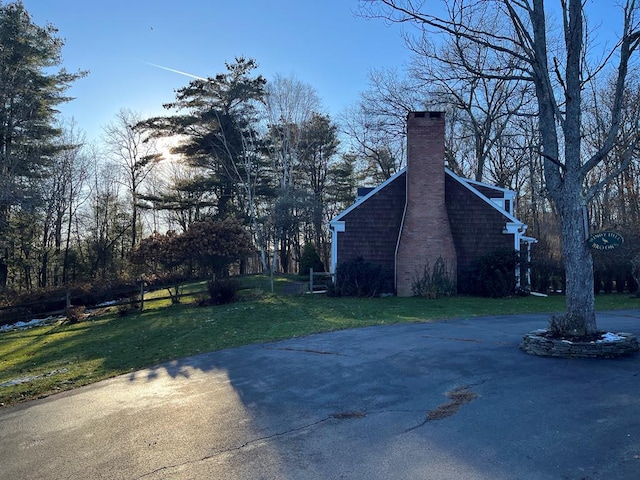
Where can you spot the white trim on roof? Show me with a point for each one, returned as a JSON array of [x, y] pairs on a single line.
[[507, 192], [515, 229], [361, 200], [466, 183], [513, 226], [463, 181]]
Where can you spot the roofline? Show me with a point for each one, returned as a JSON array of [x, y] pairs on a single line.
[[363, 199], [493, 187], [465, 182]]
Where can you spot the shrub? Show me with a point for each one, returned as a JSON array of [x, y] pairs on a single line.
[[493, 275], [359, 278], [75, 313], [310, 259], [434, 284], [53, 299], [613, 270], [175, 292], [223, 291], [202, 301]]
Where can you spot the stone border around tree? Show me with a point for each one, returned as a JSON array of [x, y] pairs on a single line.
[[615, 345]]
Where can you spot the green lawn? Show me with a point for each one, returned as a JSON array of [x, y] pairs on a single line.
[[44, 360]]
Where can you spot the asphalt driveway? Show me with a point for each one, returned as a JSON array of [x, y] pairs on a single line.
[[369, 403]]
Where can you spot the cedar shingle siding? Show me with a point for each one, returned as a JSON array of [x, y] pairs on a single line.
[[372, 227], [476, 227], [470, 216]]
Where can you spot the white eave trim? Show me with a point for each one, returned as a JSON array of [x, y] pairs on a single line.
[[515, 228], [336, 225], [507, 194], [466, 183], [363, 199]]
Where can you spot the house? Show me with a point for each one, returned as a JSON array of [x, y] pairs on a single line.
[[426, 212]]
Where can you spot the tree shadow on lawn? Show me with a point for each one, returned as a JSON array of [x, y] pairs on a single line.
[[97, 349]]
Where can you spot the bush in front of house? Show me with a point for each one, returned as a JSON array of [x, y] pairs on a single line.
[[433, 282], [359, 278], [223, 291], [493, 275]]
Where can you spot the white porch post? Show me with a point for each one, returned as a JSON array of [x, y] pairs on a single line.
[[335, 227]]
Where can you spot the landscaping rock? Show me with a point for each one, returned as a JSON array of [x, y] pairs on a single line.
[[610, 345]]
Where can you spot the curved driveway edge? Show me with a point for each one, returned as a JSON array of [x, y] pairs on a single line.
[[370, 403]]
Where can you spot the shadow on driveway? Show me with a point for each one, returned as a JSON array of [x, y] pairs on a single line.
[[355, 404]]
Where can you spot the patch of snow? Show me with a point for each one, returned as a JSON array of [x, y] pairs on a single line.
[[107, 304], [610, 337], [36, 322], [18, 381]]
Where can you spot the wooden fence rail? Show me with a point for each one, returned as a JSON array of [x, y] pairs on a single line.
[[322, 285], [22, 312]]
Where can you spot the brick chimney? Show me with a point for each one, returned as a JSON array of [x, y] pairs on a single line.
[[425, 235]]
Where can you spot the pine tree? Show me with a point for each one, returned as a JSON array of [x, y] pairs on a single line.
[[29, 95]]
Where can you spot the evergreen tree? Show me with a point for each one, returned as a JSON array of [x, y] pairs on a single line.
[[318, 148], [30, 91], [217, 122]]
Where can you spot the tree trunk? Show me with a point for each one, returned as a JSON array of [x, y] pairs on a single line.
[[44, 267], [578, 263], [4, 273], [134, 221]]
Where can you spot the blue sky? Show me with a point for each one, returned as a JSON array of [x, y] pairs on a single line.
[[321, 43]]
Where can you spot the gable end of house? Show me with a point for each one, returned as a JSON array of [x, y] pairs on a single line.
[[426, 212]]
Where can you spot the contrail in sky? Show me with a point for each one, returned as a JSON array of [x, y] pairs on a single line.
[[176, 71]]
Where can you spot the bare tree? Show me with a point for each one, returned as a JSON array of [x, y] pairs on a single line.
[[484, 106], [289, 105], [318, 151], [558, 67], [375, 126], [617, 204], [105, 222], [64, 194], [131, 149]]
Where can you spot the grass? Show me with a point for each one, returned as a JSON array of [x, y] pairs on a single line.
[[38, 362]]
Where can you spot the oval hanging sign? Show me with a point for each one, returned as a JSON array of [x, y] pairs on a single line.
[[605, 241]]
